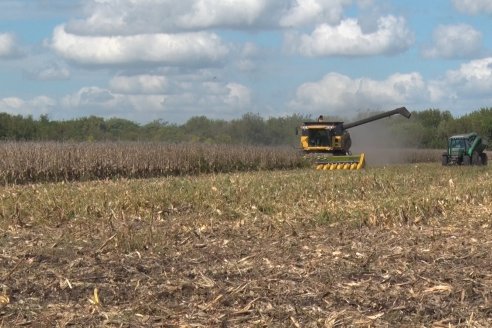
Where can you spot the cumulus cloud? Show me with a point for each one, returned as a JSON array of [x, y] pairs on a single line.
[[237, 96], [104, 102], [50, 72], [471, 79], [170, 49], [90, 96], [309, 11], [139, 84], [211, 97], [465, 88], [35, 106], [143, 97], [348, 39], [473, 7], [8, 46], [122, 17], [455, 41], [210, 13], [247, 57], [469, 86], [338, 94]]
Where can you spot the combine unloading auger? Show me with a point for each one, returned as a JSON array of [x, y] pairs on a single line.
[[328, 143]]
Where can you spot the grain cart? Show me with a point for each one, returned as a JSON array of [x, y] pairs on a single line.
[[328, 143], [465, 149]]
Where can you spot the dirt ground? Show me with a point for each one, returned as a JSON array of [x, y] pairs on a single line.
[[207, 273]]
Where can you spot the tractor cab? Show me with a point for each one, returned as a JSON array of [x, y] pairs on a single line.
[[465, 149], [458, 145]]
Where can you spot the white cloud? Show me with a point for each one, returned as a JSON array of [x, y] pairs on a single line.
[[137, 98], [471, 79], [311, 11], [249, 49], [35, 106], [338, 94], [50, 72], [170, 49], [90, 96], [8, 46], [246, 65], [11, 103], [210, 13], [473, 7], [348, 39], [468, 87], [455, 41], [212, 97], [238, 96], [127, 17], [246, 59], [105, 103], [139, 84]]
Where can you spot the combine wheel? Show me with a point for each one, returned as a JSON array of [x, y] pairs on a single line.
[[483, 157], [476, 160], [466, 160], [444, 159]]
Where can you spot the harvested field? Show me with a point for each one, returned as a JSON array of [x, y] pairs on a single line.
[[399, 246]]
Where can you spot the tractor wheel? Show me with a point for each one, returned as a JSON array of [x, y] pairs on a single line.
[[444, 159], [466, 160], [476, 159], [483, 157]]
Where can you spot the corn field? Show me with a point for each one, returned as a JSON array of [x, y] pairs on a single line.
[[33, 162], [29, 162]]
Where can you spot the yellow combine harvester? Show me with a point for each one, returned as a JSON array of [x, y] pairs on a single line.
[[328, 143]]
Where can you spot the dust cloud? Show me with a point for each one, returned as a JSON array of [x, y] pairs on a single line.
[[379, 143]]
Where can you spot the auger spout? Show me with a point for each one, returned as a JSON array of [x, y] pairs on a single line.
[[402, 111]]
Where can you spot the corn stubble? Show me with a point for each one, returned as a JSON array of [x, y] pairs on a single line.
[[403, 245]]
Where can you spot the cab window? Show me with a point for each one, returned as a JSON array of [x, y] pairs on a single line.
[[457, 143]]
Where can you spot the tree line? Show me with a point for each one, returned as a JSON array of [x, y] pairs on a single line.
[[425, 129]]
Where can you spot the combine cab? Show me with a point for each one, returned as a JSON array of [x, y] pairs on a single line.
[[328, 143]]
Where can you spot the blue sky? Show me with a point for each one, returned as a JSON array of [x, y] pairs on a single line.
[[161, 59]]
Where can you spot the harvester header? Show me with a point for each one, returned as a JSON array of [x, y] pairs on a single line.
[[329, 142]]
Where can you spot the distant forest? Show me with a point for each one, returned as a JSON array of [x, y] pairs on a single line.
[[425, 129]]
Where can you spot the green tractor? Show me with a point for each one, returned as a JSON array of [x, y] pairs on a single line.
[[465, 149]]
